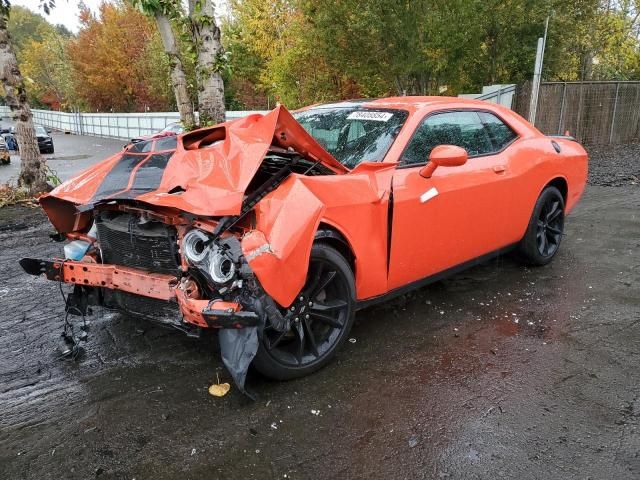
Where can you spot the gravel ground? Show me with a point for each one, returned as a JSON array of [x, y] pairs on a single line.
[[614, 165], [499, 372]]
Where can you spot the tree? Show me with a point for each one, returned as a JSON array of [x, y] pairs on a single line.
[[242, 89], [48, 72], [163, 11], [117, 61], [211, 61], [33, 167], [25, 26], [204, 45]]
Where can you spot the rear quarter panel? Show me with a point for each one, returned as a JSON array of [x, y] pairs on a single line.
[[534, 163]]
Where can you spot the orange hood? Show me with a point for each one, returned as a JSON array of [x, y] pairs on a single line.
[[205, 172]]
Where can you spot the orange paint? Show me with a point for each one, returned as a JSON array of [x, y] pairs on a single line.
[[455, 214]]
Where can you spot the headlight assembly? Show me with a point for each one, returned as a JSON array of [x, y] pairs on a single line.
[[221, 268], [194, 246], [208, 257]]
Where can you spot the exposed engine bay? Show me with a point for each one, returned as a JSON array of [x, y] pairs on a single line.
[[171, 230], [214, 285]]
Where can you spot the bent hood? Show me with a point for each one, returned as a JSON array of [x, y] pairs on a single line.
[[205, 172]]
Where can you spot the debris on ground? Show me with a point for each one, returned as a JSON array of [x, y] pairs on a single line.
[[10, 195], [219, 389]]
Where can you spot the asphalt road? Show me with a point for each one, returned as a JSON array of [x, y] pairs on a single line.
[[73, 153], [499, 372]]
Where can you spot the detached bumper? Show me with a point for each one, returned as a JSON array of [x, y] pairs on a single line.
[[202, 313]]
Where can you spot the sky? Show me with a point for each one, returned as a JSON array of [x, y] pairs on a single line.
[[66, 11]]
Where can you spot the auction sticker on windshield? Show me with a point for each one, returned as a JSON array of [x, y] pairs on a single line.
[[367, 115]]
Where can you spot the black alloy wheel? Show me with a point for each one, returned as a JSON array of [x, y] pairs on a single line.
[[549, 227], [546, 228], [320, 318]]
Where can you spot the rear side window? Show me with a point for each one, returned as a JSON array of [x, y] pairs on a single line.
[[463, 129], [500, 133]]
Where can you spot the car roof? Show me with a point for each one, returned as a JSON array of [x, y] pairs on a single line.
[[411, 103]]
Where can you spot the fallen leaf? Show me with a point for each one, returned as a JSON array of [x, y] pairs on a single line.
[[220, 389]]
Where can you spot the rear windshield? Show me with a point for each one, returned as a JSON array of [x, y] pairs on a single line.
[[353, 134]]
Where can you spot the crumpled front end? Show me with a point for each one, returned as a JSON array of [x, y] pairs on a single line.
[[212, 229], [170, 270]]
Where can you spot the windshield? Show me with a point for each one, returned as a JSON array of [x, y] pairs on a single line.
[[40, 131], [353, 135], [173, 128]]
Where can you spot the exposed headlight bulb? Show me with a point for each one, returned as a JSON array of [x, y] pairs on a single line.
[[208, 257], [194, 246], [221, 268]]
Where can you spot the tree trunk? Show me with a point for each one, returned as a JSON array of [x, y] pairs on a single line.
[[178, 78], [206, 36], [586, 67], [32, 168]]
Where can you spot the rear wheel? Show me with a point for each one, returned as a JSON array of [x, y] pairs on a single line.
[[321, 318], [545, 230]]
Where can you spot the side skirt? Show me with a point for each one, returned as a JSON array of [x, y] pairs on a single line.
[[368, 302]]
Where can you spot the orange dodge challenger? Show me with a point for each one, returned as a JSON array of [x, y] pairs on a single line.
[[276, 228]]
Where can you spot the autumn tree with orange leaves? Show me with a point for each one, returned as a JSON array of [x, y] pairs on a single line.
[[118, 61]]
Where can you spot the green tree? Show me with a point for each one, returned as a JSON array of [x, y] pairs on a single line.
[[47, 70], [25, 26]]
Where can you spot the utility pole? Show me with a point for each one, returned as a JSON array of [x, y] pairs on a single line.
[[537, 74]]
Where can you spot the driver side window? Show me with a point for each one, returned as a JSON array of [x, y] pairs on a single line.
[[463, 129]]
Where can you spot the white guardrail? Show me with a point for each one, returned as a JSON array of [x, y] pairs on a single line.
[[111, 125]]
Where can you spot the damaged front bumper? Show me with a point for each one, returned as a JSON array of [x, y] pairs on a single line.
[[196, 312]]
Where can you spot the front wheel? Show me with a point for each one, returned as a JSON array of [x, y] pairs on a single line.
[[545, 230], [321, 318]]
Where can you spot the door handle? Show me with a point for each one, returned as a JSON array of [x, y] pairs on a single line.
[[499, 168]]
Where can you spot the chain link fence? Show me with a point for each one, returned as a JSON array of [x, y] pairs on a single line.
[[594, 113]]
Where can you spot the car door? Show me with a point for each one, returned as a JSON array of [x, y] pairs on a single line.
[[458, 214]]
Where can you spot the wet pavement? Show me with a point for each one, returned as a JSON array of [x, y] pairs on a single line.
[[499, 372], [73, 153]]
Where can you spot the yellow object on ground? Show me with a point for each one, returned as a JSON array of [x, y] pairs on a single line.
[[219, 389]]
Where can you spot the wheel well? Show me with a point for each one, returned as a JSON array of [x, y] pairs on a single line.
[[561, 184], [330, 236]]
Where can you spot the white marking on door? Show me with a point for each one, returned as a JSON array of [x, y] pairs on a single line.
[[428, 195]]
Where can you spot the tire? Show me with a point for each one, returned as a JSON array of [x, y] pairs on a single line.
[[325, 314], [544, 233]]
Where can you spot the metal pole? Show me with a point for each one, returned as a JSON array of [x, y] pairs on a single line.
[[615, 108], [535, 84], [537, 74], [564, 96], [579, 119]]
